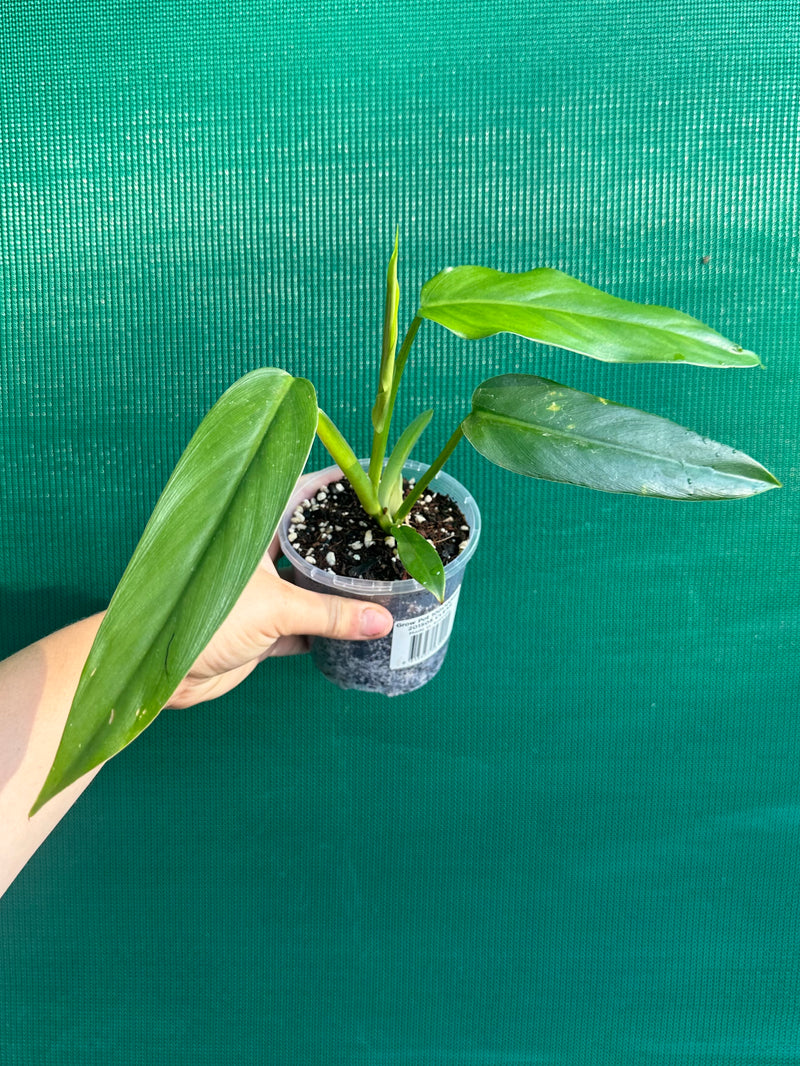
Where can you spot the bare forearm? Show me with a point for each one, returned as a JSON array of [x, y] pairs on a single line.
[[36, 690]]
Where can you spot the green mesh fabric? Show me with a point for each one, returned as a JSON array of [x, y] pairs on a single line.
[[579, 843]]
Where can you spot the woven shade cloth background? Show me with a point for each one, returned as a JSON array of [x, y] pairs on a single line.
[[579, 844]]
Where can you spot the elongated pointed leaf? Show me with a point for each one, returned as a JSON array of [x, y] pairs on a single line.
[[205, 538], [421, 559], [379, 411], [537, 427], [548, 306], [391, 487]]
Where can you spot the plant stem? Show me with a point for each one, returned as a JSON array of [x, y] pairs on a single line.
[[380, 437], [429, 475], [402, 359]]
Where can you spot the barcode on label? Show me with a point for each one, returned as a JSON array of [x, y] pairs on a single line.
[[417, 639]]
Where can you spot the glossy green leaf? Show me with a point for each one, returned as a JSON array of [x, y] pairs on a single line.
[[537, 427], [205, 538], [421, 559], [553, 308]]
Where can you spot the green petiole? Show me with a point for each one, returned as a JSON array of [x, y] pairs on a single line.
[[429, 475]]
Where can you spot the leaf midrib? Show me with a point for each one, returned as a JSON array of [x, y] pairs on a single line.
[[566, 435], [586, 317]]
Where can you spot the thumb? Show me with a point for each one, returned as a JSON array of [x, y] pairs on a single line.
[[317, 614]]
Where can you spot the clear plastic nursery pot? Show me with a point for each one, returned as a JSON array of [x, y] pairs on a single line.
[[414, 651]]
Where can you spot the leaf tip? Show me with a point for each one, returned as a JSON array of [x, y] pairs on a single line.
[[46, 793]]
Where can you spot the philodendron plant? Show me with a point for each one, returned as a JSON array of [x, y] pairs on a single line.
[[221, 506]]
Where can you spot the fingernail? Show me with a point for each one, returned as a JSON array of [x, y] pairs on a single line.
[[372, 623]]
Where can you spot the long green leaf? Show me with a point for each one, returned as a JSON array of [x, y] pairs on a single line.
[[390, 492], [553, 308], [537, 427], [206, 536]]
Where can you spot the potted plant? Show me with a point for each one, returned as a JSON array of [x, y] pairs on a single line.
[[230, 489]]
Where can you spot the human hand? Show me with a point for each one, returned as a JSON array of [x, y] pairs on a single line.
[[274, 617]]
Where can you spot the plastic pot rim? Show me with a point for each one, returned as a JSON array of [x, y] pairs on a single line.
[[358, 586]]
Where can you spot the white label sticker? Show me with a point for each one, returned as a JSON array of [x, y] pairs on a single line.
[[417, 639]]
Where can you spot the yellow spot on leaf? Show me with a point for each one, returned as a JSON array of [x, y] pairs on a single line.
[[554, 407]]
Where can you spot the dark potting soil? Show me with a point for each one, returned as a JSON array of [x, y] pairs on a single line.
[[331, 531]]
